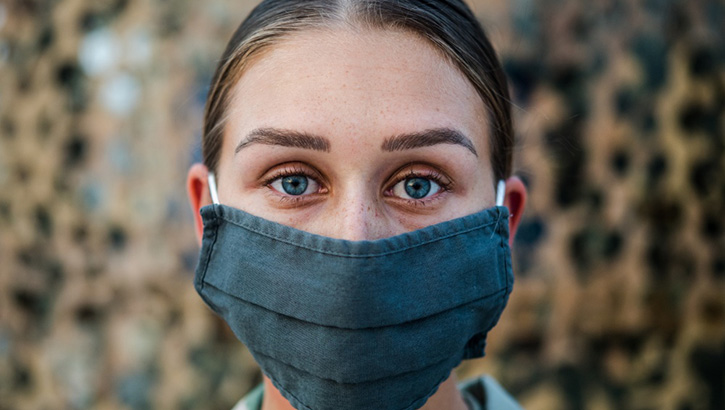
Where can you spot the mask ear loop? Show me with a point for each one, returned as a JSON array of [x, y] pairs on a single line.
[[212, 188], [500, 192]]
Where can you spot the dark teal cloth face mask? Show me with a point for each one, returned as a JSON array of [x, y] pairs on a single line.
[[353, 325]]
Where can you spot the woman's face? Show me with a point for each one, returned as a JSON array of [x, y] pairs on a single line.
[[355, 135]]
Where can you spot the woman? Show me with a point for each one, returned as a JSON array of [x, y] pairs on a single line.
[[359, 148]]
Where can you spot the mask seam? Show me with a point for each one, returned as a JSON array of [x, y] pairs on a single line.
[[366, 381], [347, 255], [488, 296], [207, 256], [508, 279]]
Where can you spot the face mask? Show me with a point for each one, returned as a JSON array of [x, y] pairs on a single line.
[[353, 325]]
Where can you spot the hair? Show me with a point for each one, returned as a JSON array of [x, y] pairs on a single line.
[[448, 24]]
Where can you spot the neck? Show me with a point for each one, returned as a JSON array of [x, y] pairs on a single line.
[[447, 397]]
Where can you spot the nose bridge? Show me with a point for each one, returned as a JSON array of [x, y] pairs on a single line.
[[357, 217]]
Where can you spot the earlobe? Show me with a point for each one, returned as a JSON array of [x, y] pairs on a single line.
[[515, 201], [197, 189]]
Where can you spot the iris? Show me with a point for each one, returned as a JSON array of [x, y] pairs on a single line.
[[417, 188], [294, 184]]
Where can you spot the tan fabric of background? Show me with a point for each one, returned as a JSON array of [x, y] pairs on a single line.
[[620, 295]]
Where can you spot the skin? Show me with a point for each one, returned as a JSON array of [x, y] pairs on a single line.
[[355, 90]]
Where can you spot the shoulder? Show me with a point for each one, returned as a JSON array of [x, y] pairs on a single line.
[[484, 393]]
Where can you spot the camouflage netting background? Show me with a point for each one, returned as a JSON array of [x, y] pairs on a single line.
[[620, 299]]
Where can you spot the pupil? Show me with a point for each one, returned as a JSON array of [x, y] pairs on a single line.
[[417, 187], [295, 184]]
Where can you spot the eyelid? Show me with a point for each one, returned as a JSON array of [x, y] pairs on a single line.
[[430, 172], [289, 169], [445, 183]]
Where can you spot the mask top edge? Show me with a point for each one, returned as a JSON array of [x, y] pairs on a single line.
[[493, 220]]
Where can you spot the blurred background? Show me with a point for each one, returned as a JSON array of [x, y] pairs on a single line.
[[620, 295]]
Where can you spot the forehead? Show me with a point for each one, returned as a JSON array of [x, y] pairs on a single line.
[[355, 85]]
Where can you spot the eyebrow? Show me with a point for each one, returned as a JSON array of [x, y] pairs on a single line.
[[428, 138], [400, 142], [285, 138]]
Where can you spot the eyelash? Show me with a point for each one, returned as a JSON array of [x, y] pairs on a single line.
[[292, 170], [288, 172], [444, 183]]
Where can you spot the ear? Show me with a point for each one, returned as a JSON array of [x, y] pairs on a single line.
[[197, 187], [515, 201]]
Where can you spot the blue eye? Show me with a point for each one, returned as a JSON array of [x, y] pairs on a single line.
[[416, 188], [295, 185]]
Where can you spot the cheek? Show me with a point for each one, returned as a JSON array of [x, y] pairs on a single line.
[[478, 191]]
